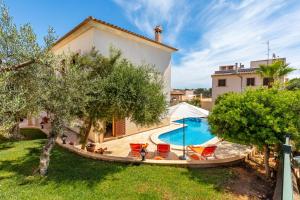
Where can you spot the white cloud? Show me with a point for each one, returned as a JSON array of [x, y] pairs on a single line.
[[224, 32], [146, 14], [238, 33]]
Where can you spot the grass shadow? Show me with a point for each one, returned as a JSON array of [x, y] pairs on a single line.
[[6, 146], [32, 133], [69, 167], [4, 140], [24, 165], [26, 134], [65, 167]]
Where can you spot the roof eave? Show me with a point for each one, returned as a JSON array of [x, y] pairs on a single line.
[[234, 73], [90, 18]]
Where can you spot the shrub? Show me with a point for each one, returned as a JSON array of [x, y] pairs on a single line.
[[261, 117]]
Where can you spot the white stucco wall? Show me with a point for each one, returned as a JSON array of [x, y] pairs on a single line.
[[132, 48], [83, 43], [132, 128]]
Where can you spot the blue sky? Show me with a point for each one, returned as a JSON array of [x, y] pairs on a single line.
[[208, 33]]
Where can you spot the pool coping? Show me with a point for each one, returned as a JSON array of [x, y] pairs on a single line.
[[155, 139]]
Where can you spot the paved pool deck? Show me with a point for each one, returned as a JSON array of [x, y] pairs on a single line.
[[121, 148], [118, 150]]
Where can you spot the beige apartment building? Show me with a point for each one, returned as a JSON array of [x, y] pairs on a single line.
[[236, 78]]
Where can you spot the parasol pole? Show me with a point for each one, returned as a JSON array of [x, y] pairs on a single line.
[[183, 157], [184, 139]]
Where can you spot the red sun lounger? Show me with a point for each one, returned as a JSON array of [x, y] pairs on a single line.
[[203, 152]]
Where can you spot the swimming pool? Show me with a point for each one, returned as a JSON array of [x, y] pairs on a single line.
[[196, 132]]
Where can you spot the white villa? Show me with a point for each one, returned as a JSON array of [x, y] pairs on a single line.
[[136, 48]]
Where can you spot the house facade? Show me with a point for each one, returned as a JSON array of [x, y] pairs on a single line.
[[136, 48], [236, 78], [177, 95], [182, 95]]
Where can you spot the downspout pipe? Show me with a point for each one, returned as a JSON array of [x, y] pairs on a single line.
[[238, 74]]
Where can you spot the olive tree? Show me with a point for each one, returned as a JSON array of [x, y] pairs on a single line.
[[94, 68], [32, 79], [61, 90], [20, 61], [261, 117], [115, 88], [135, 92]]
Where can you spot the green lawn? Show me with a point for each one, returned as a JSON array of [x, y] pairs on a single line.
[[74, 177]]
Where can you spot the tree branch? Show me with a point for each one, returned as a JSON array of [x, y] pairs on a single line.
[[16, 67]]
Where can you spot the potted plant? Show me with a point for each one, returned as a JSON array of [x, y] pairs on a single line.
[[45, 119], [90, 147]]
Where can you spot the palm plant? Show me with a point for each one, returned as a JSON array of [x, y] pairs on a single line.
[[274, 71]]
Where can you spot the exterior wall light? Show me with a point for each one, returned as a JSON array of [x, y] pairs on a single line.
[[64, 138], [143, 153]]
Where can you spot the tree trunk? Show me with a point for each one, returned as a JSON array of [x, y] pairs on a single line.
[[266, 160], [88, 125], [56, 130], [16, 67], [45, 155], [29, 119], [101, 126], [15, 131]]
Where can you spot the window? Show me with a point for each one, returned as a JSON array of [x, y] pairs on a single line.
[[250, 81], [221, 82], [266, 81]]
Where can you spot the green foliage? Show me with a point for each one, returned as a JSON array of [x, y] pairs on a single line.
[[293, 84], [195, 102], [114, 87], [134, 92], [19, 90], [206, 92], [257, 117], [223, 96], [35, 86], [94, 69], [275, 71], [16, 45], [60, 91]]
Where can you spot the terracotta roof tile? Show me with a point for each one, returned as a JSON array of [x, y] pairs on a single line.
[[112, 26], [177, 93]]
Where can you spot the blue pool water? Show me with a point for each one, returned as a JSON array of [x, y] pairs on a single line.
[[196, 132]]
